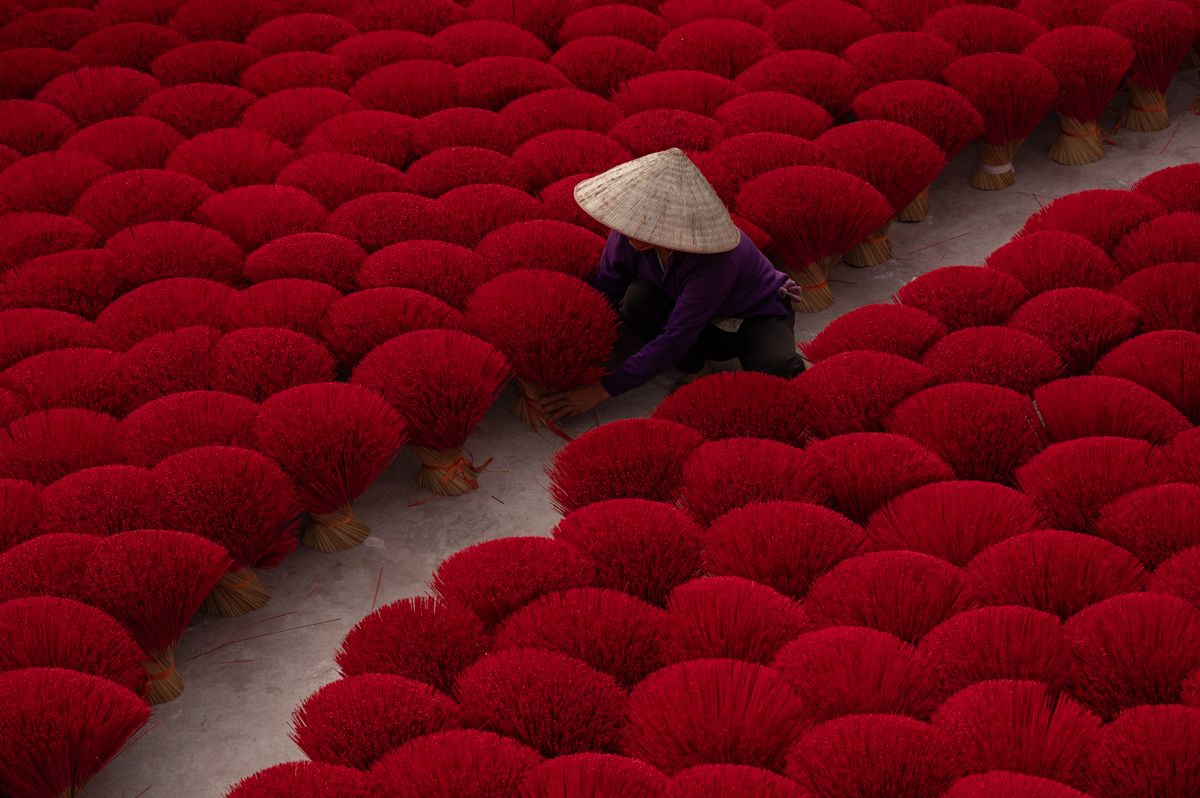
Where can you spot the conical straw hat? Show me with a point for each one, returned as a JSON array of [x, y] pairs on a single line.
[[662, 199]]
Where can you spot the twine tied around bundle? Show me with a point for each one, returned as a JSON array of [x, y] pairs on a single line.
[[460, 475]]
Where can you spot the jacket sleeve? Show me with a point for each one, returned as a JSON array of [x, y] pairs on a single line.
[[615, 272], [703, 290]]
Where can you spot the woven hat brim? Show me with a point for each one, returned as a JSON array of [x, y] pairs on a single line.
[[662, 199]]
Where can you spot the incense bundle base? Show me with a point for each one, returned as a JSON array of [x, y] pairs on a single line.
[[813, 282], [993, 164], [876, 249], [237, 593], [526, 405], [1146, 111], [337, 531], [917, 210], [448, 473], [1077, 143], [163, 682]]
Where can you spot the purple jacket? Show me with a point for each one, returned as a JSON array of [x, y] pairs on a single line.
[[729, 285]]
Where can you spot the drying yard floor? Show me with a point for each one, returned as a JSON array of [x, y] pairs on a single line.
[[244, 676]]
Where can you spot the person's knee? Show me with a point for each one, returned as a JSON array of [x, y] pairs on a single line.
[[778, 361], [640, 301]]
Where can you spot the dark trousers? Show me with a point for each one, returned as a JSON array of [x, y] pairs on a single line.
[[762, 343]]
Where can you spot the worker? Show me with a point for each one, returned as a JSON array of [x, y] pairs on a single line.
[[684, 279]]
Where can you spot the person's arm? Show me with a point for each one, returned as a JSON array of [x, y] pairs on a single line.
[[703, 290]]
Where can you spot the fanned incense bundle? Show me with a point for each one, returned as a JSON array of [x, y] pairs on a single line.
[[1088, 63], [973, 29], [465, 42], [643, 548], [953, 520], [983, 432], [496, 578], [556, 109], [725, 47], [1053, 259], [177, 422], [139, 196], [51, 632], [878, 754], [25, 332], [472, 127], [421, 638], [555, 330], [104, 501], [361, 321], [826, 25], [897, 160], [965, 296], [815, 215], [635, 458], [891, 328], [553, 703], [1161, 32], [1103, 216], [46, 446], [59, 728], [1080, 324], [825, 79], [903, 593], [325, 258], [938, 112], [601, 65], [153, 581], [853, 670], [49, 182], [128, 142], [241, 500], [713, 711], [1006, 724], [739, 404], [997, 643], [332, 439], [367, 52], [354, 721], [290, 304], [1176, 188], [1057, 572], [853, 391], [212, 62], [1072, 481], [1165, 362], [1147, 750], [730, 617], [686, 90], [308, 32], [195, 108], [773, 112], [1082, 407], [442, 382], [1012, 93], [162, 250], [593, 776], [77, 281], [382, 136], [631, 22], [890, 57]]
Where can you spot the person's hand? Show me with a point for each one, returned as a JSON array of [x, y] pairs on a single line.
[[573, 401]]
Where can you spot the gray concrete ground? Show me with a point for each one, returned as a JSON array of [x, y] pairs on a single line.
[[245, 675]]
